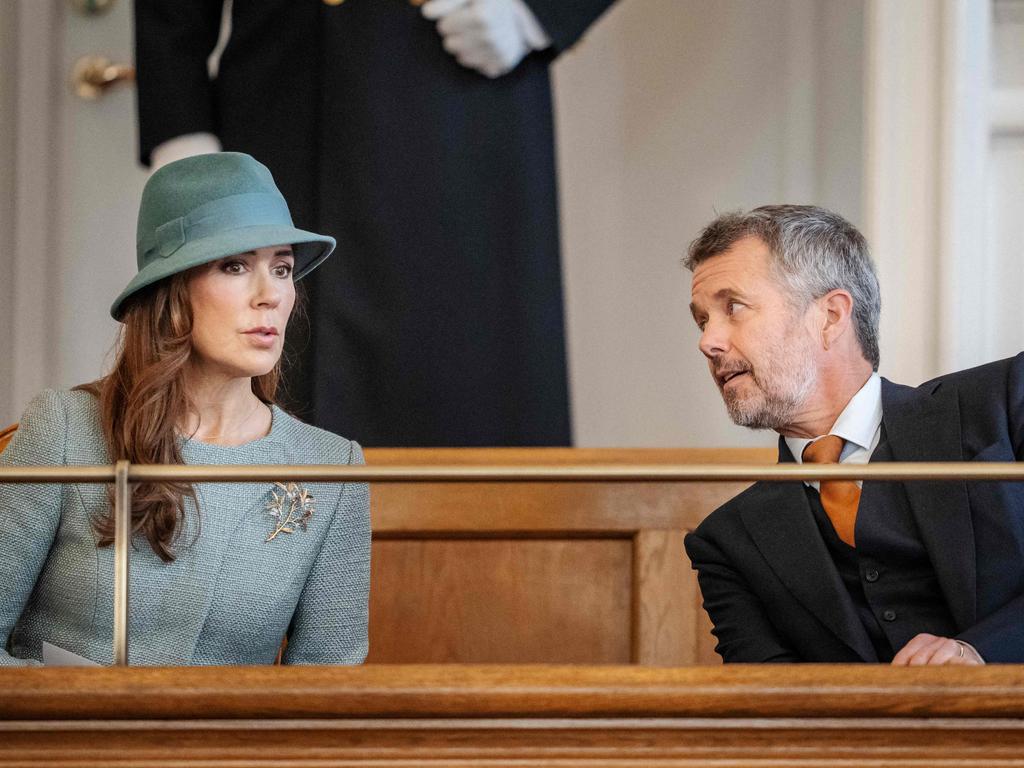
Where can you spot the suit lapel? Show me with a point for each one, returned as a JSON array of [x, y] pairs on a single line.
[[782, 526], [924, 425]]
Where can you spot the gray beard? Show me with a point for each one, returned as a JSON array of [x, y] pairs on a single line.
[[772, 412], [784, 387]]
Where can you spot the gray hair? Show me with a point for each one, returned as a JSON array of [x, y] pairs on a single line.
[[813, 250]]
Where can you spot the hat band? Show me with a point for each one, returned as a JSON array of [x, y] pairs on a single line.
[[233, 212]]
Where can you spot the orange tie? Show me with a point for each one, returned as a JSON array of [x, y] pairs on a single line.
[[839, 497]]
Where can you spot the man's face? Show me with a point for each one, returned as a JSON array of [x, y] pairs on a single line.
[[760, 349]]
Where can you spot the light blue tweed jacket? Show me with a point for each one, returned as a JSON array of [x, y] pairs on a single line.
[[229, 596]]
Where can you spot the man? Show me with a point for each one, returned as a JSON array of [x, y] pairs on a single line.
[[420, 136], [787, 302]]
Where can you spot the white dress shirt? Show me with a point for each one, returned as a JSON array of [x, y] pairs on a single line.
[[860, 425]]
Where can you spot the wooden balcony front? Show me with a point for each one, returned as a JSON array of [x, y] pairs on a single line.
[[391, 716]]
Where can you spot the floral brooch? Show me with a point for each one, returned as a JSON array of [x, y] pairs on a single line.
[[291, 508]]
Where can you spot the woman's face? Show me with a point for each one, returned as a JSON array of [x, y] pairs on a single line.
[[240, 307]]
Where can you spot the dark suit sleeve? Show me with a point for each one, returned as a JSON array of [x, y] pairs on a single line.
[[565, 21], [1015, 405], [999, 637], [741, 624], [173, 40]]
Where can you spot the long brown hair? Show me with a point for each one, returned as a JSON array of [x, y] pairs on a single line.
[[143, 402]]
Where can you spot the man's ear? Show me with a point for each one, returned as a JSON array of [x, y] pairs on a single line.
[[837, 309]]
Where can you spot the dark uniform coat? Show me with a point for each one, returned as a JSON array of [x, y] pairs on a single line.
[[772, 590], [439, 319]]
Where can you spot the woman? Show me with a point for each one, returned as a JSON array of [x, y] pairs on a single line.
[[220, 572]]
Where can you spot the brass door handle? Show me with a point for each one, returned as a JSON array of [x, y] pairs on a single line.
[[92, 75]]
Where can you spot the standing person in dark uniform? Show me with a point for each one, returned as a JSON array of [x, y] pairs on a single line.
[[427, 150]]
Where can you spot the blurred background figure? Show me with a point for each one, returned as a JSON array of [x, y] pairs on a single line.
[[420, 135]]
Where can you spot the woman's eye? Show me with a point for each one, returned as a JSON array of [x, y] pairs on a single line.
[[233, 267], [283, 270]]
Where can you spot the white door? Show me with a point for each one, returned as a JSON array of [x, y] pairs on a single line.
[[77, 188]]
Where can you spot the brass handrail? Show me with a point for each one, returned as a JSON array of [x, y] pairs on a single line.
[[123, 474], [522, 473], [122, 545]]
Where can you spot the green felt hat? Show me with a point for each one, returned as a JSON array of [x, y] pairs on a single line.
[[206, 207]]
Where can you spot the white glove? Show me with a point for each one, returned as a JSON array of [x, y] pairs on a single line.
[[183, 146], [490, 36]]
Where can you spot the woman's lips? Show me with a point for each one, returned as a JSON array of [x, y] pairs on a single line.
[[264, 337]]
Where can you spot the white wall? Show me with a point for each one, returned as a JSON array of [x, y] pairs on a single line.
[[75, 189], [944, 197], [8, 89], [668, 112], [100, 183], [39, 85], [1005, 188]]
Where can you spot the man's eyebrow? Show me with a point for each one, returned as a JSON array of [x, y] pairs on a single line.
[[728, 293], [720, 295]]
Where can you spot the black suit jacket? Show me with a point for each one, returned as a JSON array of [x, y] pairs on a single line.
[[771, 588]]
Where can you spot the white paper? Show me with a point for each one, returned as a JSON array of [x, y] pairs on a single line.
[[55, 656]]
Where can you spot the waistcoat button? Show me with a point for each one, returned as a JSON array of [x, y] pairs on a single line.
[[871, 575], [889, 614]]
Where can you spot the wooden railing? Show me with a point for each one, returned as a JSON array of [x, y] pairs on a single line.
[[536, 555], [637, 601], [393, 715]]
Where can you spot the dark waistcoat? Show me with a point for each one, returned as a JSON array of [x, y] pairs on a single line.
[[889, 575]]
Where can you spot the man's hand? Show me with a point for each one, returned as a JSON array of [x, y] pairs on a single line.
[[490, 36], [929, 649]]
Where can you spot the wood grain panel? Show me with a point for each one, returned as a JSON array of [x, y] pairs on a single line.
[[478, 608], [729, 692], [480, 507], [514, 743], [583, 507], [663, 620], [508, 601], [563, 456], [773, 715], [705, 640]]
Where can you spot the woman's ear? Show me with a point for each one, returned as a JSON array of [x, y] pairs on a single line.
[[838, 310]]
